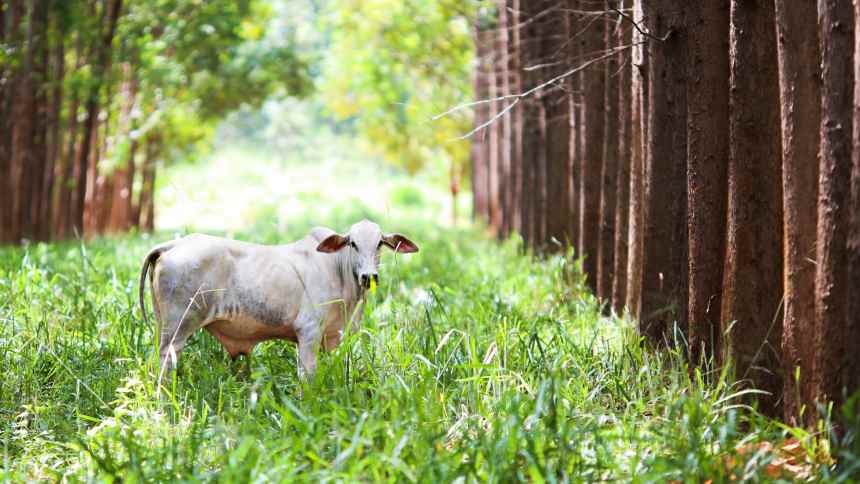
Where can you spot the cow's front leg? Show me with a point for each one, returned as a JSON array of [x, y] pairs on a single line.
[[309, 343]]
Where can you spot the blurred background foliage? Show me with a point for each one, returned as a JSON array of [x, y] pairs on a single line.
[[113, 91]]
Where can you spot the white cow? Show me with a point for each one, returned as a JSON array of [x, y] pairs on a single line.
[[245, 293]]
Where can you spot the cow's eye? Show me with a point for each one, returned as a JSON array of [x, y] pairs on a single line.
[[352, 244], [379, 245]]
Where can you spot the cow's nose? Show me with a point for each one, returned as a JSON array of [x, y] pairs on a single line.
[[365, 279]]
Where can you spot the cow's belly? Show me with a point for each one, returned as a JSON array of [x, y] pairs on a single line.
[[239, 335]]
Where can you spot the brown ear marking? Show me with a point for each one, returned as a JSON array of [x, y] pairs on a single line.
[[399, 243], [332, 243]]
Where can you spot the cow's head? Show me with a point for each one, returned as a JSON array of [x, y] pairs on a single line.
[[363, 241]]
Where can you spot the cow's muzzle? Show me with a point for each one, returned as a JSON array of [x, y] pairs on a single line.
[[364, 279]]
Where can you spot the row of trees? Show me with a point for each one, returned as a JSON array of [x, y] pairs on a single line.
[[703, 157], [93, 93]]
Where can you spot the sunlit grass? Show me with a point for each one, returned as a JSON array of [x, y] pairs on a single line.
[[475, 362]]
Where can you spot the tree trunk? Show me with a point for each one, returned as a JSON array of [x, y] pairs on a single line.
[[556, 102], [836, 356], [41, 117], [10, 19], [506, 123], [622, 194], [664, 256], [609, 168], [854, 221], [147, 193], [707, 164], [493, 132], [102, 60], [479, 140], [574, 102], [589, 192], [516, 114], [800, 104], [48, 227], [4, 146], [752, 282], [531, 137], [639, 124], [123, 188], [23, 114]]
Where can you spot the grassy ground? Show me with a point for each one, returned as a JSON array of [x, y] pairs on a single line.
[[474, 362]]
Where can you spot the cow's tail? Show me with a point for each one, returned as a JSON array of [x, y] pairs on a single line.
[[148, 262]]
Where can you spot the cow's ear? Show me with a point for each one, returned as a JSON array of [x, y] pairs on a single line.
[[332, 243], [399, 243]]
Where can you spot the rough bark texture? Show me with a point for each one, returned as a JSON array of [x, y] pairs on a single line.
[[664, 256], [37, 162], [23, 129], [835, 354], [5, 90], [479, 141], [622, 194], [707, 163], [800, 106], [493, 133], [639, 124], [589, 190], [515, 70], [572, 25], [854, 218], [752, 286], [534, 152], [556, 102], [506, 155], [609, 168]]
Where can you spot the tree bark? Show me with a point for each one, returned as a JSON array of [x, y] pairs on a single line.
[[4, 129], [836, 357], [574, 85], [854, 221], [707, 164], [639, 124], [493, 132], [533, 148], [123, 188], [622, 194], [147, 193], [506, 128], [41, 116], [66, 196], [516, 114], [48, 227], [23, 130], [102, 59], [664, 256], [589, 192], [479, 140], [556, 102], [11, 20], [800, 106], [752, 282], [609, 168]]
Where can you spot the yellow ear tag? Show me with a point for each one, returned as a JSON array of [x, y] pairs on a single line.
[[373, 286]]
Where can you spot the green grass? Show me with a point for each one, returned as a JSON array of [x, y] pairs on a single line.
[[475, 362]]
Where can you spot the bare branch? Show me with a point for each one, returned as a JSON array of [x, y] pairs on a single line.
[[517, 97]]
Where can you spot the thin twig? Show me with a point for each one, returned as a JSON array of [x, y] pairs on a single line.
[[636, 26], [517, 97]]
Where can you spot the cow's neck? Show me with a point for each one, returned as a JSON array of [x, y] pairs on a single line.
[[352, 291]]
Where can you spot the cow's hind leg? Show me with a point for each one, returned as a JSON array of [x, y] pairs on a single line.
[[179, 323]]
